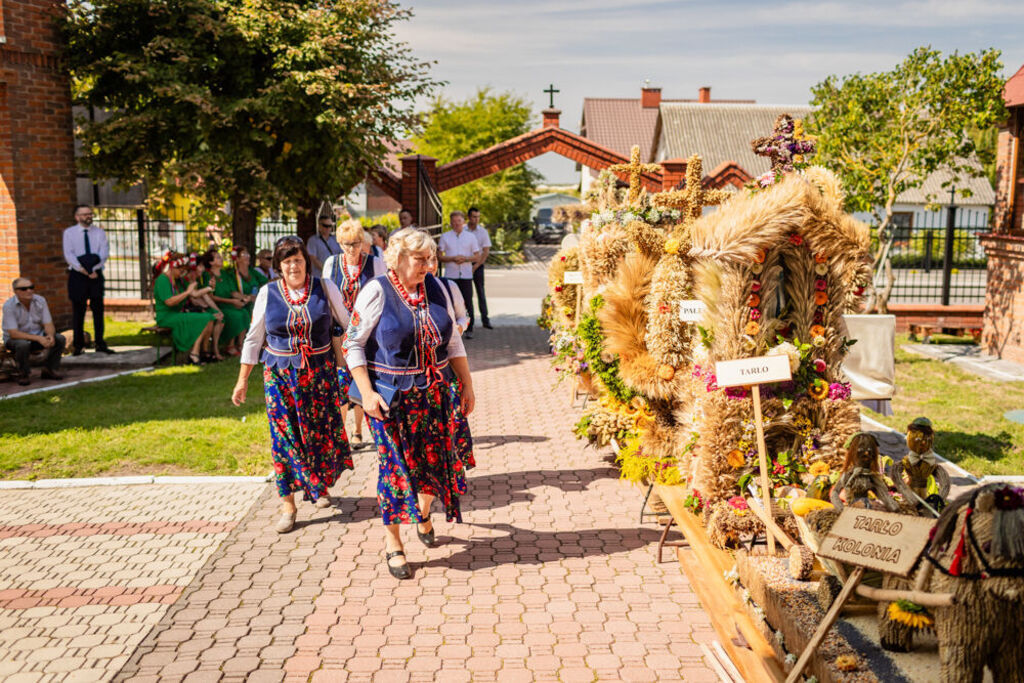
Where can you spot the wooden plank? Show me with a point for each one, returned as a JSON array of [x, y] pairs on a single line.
[[770, 526], [825, 625], [705, 566], [762, 460]]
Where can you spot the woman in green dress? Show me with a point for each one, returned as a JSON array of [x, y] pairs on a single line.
[[236, 318], [189, 331], [237, 290]]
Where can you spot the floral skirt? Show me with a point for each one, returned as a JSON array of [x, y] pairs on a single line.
[[424, 446], [344, 381], [309, 444]]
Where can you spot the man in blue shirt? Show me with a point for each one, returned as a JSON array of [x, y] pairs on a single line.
[[86, 252]]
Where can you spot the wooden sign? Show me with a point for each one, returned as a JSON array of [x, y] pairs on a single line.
[[573, 277], [692, 310], [757, 370], [877, 540]]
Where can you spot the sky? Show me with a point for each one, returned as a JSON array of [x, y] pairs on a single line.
[[772, 52]]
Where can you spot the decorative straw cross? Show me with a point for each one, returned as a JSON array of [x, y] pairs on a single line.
[[634, 169], [693, 197], [787, 144]]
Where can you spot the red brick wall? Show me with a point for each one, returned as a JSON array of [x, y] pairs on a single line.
[[1009, 178], [37, 165], [1003, 332]]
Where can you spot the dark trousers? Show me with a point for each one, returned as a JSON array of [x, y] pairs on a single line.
[[481, 298], [22, 348], [85, 291], [465, 286]]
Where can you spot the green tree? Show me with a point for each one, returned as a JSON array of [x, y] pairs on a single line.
[[261, 103], [884, 133], [453, 130]]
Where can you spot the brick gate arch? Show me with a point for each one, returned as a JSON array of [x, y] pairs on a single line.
[[550, 137]]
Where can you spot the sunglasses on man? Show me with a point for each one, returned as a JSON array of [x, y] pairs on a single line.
[[26, 288]]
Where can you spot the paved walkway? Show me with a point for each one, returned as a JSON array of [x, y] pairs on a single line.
[[549, 578]]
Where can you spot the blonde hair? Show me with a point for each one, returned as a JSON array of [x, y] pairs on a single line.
[[349, 231], [406, 240], [367, 238]]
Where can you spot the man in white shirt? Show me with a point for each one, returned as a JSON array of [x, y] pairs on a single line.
[[28, 327], [459, 251], [322, 245], [474, 228], [86, 252]]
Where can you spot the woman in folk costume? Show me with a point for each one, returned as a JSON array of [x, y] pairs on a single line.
[[293, 321], [189, 330], [350, 270], [409, 366]]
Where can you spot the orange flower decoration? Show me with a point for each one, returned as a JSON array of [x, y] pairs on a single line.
[[760, 256], [820, 258], [754, 301], [817, 331], [820, 298], [735, 459], [666, 372], [752, 328]]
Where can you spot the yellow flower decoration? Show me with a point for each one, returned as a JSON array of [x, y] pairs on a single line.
[[821, 268], [735, 459], [909, 613], [672, 246], [847, 663], [819, 390], [666, 372], [818, 469], [752, 328]]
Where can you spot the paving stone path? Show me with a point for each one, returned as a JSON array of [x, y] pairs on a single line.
[[549, 578]]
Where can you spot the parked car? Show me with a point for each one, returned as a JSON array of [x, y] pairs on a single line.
[[546, 230]]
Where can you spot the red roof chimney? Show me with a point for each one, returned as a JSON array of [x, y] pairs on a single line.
[[551, 117], [704, 94], [650, 98]]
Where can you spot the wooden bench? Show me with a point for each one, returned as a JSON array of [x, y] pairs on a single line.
[[161, 333], [924, 331]]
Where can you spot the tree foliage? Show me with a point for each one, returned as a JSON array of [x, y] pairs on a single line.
[[885, 133], [260, 102], [453, 130]]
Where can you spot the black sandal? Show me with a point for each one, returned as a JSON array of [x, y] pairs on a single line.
[[400, 572], [427, 537], [195, 359]]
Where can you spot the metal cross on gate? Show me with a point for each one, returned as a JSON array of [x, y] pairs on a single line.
[[692, 199], [634, 169], [551, 95]]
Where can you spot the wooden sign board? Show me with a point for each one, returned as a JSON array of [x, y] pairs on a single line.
[[757, 370], [692, 310], [877, 540], [573, 277]]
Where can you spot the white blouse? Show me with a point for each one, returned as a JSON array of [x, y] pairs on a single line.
[[258, 328], [368, 308], [378, 267]]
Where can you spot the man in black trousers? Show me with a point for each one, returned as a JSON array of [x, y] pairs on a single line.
[[483, 238], [86, 251]]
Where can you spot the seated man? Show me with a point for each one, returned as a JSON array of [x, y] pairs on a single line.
[[28, 327]]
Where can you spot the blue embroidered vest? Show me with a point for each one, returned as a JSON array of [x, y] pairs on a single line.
[[294, 334], [338, 276], [391, 351]]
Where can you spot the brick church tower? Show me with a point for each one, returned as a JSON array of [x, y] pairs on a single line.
[[37, 155]]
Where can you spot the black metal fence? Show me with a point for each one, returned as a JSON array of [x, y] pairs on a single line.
[[138, 238], [937, 258]]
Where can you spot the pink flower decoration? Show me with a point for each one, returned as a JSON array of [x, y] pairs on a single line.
[[755, 314], [819, 365], [755, 286], [738, 502], [820, 285]]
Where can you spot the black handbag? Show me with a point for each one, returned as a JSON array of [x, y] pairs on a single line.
[[387, 390]]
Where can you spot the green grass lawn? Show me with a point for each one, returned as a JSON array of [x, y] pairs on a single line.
[[966, 410], [119, 333], [174, 420]]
